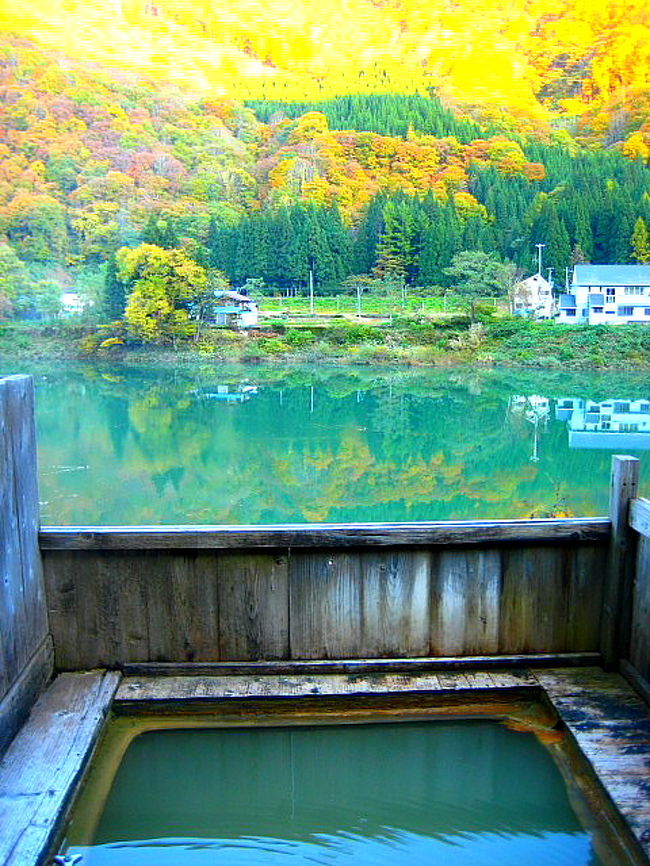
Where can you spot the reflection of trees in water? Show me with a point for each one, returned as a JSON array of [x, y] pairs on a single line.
[[365, 445]]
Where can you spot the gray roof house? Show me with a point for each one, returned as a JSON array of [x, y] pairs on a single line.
[[607, 294]]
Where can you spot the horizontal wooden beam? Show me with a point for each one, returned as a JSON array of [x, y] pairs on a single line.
[[640, 516], [361, 666], [427, 534]]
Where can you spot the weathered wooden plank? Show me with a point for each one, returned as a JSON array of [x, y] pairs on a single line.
[[11, 635], [534, 600], [427, 534], [466, 589], [20, 405], [640, 640], [200, 615], [61, 576], [152, 689], [253, 606], [23, 615], [162, 603], [586, 577], [611, 725], [45, 760], [395, 589], [639, 683], [325, 605], [640, 516], [617, 599], [18, 700], [361, 666]]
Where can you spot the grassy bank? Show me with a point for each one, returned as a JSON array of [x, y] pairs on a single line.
[[416, 340]]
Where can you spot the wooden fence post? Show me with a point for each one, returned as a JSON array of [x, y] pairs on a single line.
[[25, 644], [619, 580]]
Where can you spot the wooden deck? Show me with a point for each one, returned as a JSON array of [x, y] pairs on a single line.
[[611, 725], [39, 772]]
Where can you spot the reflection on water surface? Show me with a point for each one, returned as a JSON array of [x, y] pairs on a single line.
[[254, 444], [465, 794]]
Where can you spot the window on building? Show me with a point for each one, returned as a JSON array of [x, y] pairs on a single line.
[[625, 311], [570, 312], [646, 310], [585, 313], [620, 406], [598, 309], [610, 297], [605, 425], [629, 428], [644, 407], [633, 290]]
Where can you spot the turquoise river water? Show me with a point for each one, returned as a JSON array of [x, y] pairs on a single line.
[[458, 794], [210, 443]]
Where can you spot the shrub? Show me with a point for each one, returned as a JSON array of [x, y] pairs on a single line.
[[344, 335]]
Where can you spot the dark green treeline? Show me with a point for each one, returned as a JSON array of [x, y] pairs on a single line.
[[584, 210]]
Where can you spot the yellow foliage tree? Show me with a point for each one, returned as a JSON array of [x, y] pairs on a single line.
[[166, 286]]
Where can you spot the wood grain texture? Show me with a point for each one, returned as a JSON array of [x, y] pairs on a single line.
[[23, 613], [587, 566], [395, 601], [534, 600], [640, 640], [611, 725], [19, 699], [361, 666], [325, 605], [617, 598], [466, 589], [640, 516], [428, 534], [253, 606], [134, 690], [46, 759], [110, 608]]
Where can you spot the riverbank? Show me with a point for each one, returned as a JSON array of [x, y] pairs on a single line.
[[416, 341]]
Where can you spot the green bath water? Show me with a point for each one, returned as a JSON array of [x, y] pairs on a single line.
[[389, 794]]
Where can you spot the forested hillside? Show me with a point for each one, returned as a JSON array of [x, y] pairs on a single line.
[[390, 186], [524, 64]]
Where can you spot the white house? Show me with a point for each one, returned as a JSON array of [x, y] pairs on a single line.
[[608, 424], [607, 294], [533, 297], [232, 308]]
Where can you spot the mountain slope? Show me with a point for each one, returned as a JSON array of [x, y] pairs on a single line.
[[583, 62]]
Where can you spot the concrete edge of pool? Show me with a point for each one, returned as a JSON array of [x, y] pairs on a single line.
[[606, 721]]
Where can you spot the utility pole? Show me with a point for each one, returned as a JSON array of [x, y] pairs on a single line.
[[550, 275], [311, 289], [540, 247], [566, 278]]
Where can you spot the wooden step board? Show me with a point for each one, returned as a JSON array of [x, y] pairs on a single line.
[[185, 689], [611, 725], [39, 771]]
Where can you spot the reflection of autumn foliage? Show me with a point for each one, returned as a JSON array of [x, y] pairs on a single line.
[[160, 446]]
